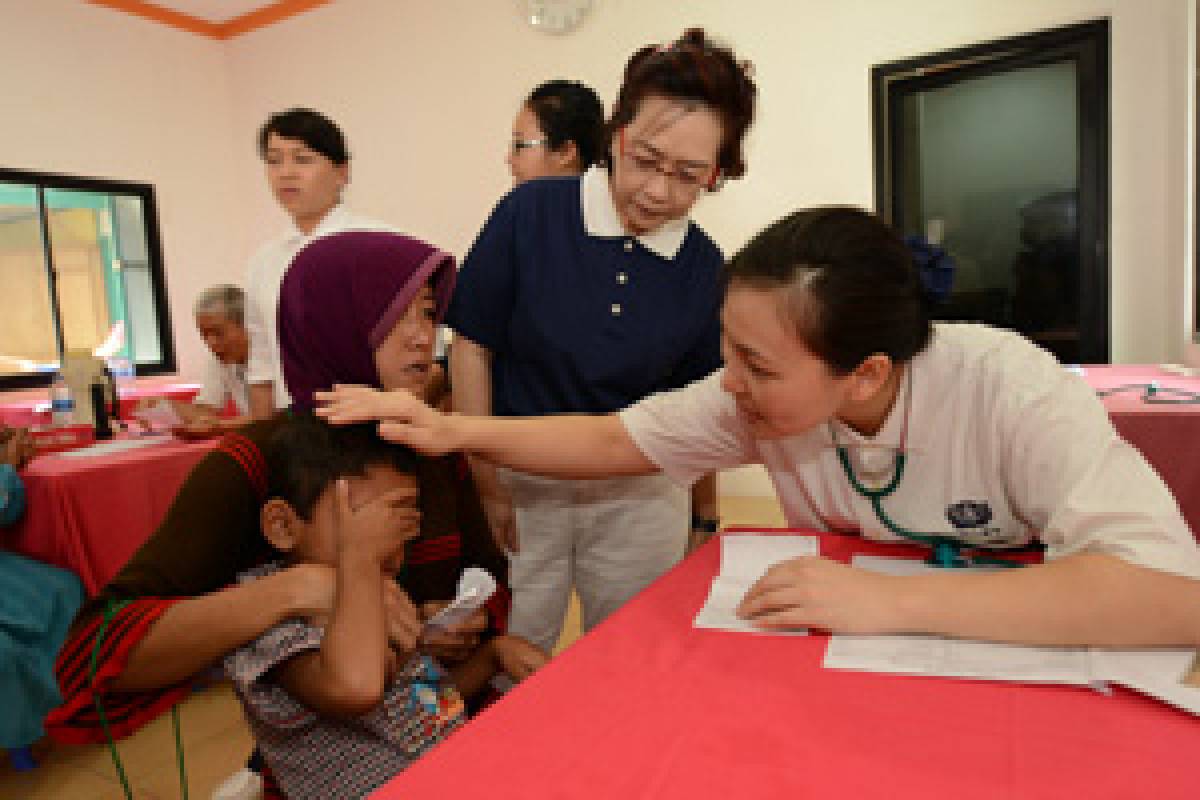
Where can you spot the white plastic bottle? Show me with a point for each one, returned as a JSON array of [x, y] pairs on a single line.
[[62, 406]]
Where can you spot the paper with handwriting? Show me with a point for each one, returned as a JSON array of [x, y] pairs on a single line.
[[744, 559]]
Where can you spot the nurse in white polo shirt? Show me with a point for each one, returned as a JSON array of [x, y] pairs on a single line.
[[969, 438], [308, 167]]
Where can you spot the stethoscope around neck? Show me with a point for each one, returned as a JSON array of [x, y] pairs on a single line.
[[948, 551]]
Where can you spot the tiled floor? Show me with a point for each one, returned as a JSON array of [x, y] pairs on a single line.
[[215, 740]]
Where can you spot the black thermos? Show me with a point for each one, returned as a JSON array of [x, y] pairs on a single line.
[[99, 395]]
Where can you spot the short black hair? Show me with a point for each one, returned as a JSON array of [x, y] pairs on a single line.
[[307, 454], [318, 132], [569, 111], [851, 286]]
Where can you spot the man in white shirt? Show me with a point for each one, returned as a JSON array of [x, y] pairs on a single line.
[[308, 167], [220, 313], [220, 318]]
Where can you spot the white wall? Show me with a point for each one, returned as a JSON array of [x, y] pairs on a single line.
[[1192, 76], [426, 89], [88, 91]]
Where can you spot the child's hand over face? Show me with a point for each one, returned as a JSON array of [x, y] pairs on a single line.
[[377, 529], [519, 657]]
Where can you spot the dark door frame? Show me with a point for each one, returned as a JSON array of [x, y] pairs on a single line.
[[1087, 44]]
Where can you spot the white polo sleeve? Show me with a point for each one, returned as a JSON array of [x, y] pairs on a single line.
[[260, 363], [1083, 487], [690, 432], [212, 389]]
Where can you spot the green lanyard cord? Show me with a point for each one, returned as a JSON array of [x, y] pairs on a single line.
[[111, 610], [947, 551]]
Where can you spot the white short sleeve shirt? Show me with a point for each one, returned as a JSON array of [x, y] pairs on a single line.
[[223, 382], [1003, 446], [263, 281]]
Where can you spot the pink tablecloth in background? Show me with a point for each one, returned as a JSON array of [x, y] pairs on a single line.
[[646, 706], [1167, 435], [23, 412], [89, 515]]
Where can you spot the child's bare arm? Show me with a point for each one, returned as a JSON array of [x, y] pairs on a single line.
[[513, 655], [347, 676], [472, 675]]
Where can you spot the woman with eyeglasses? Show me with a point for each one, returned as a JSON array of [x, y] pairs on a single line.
[[587, 294], [872, 420], [557, 132]]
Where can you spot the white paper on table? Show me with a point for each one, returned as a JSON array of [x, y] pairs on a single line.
[[1157, 672], [158, 414], [115, 446], [744, 559], [953, 658]]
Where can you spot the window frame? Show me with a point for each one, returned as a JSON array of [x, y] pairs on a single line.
[[42, 181], [1091, 39]]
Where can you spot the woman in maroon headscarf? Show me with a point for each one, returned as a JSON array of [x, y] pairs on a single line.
[[355, 308]]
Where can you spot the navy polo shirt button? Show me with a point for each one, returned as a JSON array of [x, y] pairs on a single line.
[[628, 246], [622, 277], [616, 309]]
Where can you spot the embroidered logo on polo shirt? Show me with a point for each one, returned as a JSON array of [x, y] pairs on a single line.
[[969, 514]]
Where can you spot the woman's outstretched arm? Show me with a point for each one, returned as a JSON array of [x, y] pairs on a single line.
[[561, 446]]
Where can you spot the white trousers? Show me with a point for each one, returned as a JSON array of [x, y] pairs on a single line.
[[608, 538]]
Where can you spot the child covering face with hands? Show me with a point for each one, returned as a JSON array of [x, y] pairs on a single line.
[[321, 696]]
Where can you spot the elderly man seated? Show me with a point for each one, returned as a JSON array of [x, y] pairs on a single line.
[[220, 318]]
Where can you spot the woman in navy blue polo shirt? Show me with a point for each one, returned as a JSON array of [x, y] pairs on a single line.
[[587, 294]]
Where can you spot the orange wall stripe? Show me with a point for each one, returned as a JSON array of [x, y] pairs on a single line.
[[268, 15], [176, 19]]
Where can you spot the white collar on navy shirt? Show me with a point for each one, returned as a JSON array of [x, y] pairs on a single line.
[[600, 217]]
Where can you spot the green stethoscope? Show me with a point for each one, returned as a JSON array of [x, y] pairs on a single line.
[[947, 550]]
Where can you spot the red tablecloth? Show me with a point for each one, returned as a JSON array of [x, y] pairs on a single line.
[[1168, 435], [89, 515], [646, 706], [25, 413]]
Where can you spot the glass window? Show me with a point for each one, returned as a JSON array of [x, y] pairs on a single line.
[[28, 331], [81, 267], [997, 153]]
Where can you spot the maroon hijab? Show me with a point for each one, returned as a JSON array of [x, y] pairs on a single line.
[[341, 297]]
